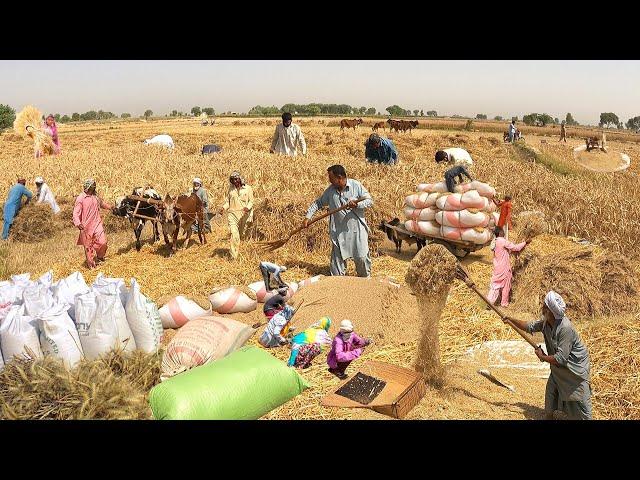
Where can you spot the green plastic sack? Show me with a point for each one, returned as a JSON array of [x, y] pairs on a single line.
[[244, 385]]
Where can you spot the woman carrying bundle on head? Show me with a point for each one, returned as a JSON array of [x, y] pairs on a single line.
[[50, 128]]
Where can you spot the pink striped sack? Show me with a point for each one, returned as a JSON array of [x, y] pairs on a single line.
[[231, 300], [421, 214], [421, 200], [180, 310], [309, 281], [462, 218], [203, 340]]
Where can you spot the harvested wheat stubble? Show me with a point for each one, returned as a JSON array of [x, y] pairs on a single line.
[[430, 276], [114, 386], [591, 280], [35, 222]]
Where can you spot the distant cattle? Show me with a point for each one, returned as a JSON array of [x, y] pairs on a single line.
[[402, 125], [398, 237], [350, 123], [211, 149], [378, 125]]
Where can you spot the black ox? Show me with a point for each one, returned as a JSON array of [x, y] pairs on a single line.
[[125, 207]]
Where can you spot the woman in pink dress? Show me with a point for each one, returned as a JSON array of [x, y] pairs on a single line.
[[50, 128], [501, 277], [87, 219]]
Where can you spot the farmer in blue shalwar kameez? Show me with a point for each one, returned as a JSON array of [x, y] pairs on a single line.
[[380, 150], [12, 204], [347, 228]]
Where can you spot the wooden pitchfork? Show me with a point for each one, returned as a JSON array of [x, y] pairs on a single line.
[[463, 275], [315, 302], [275, 244]]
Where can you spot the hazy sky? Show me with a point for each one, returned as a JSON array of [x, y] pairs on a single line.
[[506, 88]]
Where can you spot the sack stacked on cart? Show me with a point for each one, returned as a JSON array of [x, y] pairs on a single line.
[[466, 215]]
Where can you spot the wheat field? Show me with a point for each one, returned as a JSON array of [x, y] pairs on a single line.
[[601, 207]]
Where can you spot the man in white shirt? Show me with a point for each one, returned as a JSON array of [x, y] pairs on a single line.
[[288, 137], [454, 156], [44, 194]]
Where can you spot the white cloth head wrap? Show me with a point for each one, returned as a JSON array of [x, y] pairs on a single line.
[[556, 304]]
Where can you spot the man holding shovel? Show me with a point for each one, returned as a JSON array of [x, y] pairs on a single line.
[[347, 228], [568, 387]]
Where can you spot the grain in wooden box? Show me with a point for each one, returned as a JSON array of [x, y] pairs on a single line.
[[403, 390]]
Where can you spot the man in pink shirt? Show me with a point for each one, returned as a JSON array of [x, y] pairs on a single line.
[[501, 277], [86, 216]]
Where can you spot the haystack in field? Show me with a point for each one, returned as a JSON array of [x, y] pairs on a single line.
[[592, 281], [28, 125], [430, 276], [35, 222], [112, 387]]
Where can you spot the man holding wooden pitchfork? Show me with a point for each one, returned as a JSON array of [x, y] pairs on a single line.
[[347, 228], [568, 387]]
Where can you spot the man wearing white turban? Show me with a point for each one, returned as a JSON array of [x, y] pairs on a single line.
[[568, 387], [44, 194]]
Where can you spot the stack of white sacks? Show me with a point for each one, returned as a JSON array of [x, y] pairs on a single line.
[[70, 320], [467, 215]]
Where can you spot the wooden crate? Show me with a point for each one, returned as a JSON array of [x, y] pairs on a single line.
[[403, 391]]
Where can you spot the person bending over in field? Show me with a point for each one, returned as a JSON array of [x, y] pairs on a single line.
[[44, 194], [13, 203], [456, 172], [279, 316], [454, 156], [288, 137], [86, 217], [345, 348], [380, 150]]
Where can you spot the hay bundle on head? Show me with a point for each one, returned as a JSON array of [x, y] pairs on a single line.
[[112, 387], [530, 225], [430, 276], [34, 223], [28, 124]]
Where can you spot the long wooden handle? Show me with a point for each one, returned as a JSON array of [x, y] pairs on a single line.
[[524, 335], [325, 215]]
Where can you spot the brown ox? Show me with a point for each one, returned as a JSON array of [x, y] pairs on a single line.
[[378, 125], [350, 123], [394, 125], [185, 208], [408, 125]]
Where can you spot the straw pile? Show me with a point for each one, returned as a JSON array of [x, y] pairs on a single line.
[[530, 225], [430, 276], [112, 387], [591, 281], [113, 223], [27, 124], [34, 223]]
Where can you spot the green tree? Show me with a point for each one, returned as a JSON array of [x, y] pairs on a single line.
[[209, 111], [498, 118], [481, 116], [556, 121], [313, 110], [7, 116], [90, 115], [607, 119], [421, 113], [416, 112], [569, 120], [125, 115], [395, 110], [56, 117], [195, 111], [371, 111], [432, 113], [75, 117], [65, 119], [633, 123], [148, 113], [174, 113]]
